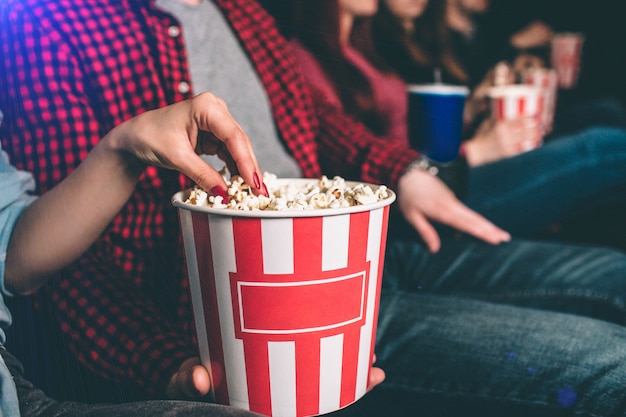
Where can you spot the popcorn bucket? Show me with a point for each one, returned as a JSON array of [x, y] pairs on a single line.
[[565, 57], [547, 80], [286, 302], [510, 102]]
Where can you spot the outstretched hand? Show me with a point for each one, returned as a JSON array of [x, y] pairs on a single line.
[[423, 198]]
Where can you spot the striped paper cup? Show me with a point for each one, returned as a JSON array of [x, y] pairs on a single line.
[[547, 80], [565, 57], [510, 102], [286, 302]]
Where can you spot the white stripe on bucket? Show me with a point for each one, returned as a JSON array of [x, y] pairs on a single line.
[[331, 359], [221, 230], [282, 363], [335, 236], [277, 250]]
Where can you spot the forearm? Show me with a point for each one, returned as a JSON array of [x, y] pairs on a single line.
[[65, 221]]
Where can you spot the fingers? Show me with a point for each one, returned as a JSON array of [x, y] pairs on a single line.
[[425, 229], [191, 381], [203, 174], [518, 135], [530, 134], [212, 115], [377, 376], [466, 220]]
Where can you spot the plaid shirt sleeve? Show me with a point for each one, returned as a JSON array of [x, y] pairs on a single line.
[[123, 314]]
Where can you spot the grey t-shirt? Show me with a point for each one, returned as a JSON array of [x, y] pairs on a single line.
[[218, 64]]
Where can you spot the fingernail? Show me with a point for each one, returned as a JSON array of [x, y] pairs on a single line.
[[219, 192], [257, 182], [265, 192]]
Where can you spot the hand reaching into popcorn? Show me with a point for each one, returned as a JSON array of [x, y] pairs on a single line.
[[171, 137], [202, 125]]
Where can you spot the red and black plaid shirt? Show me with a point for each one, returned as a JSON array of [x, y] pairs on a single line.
[[71, 71]]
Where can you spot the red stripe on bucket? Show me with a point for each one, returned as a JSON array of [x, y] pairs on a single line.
[[308, 376], [500, 108], [357, 256], [258, 375], [521, 106]]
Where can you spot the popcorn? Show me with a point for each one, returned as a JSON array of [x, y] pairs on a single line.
[[323, 193]]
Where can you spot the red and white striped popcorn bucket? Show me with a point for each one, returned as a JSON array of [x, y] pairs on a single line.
[[547, 80], [565, 57], [286, 302], [510, 102]]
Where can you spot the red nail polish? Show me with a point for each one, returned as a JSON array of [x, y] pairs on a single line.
[[265, 192], [219, 191], [257, 182]]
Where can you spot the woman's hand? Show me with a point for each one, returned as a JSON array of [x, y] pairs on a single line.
[[534, 35], [477, 104], [501, 139], [173, 137], [423, 197], [525, 61]]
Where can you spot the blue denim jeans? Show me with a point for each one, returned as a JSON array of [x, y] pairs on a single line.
[[519, 329], [562, 179]]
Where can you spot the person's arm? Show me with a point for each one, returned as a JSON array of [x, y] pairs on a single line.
[[347, 148], [495, 140], [76, 211], [536, 34]]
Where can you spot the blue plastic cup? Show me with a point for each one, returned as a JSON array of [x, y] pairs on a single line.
[[436, 119]]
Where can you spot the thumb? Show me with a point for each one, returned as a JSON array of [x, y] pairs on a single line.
[[192, 380]]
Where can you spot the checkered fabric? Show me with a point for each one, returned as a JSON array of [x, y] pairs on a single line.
[[71, 71]]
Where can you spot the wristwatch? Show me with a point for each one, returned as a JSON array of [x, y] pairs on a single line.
[[454, 174]]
